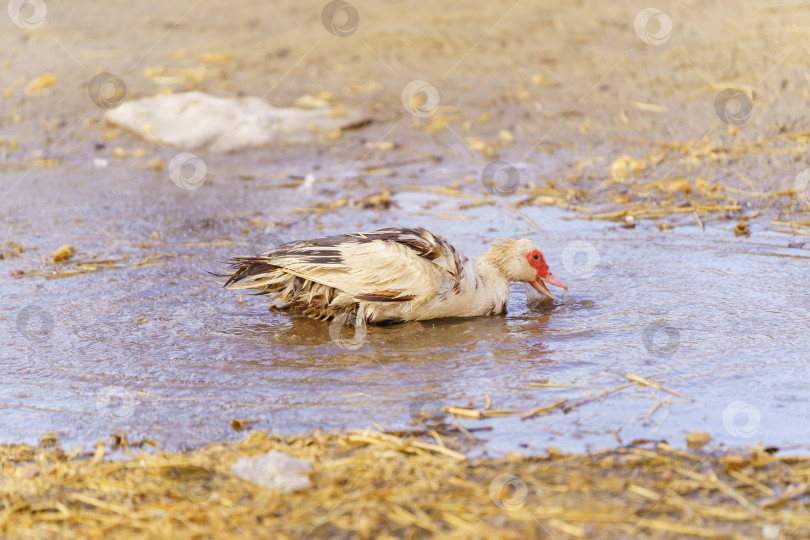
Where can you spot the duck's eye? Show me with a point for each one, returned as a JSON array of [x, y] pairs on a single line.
[[535, 257]]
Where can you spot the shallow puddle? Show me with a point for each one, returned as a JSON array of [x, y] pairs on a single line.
[[164, 352]]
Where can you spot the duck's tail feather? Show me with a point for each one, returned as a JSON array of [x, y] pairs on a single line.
[[288, 290]]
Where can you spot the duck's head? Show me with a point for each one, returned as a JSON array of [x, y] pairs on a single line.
[[522, 260]]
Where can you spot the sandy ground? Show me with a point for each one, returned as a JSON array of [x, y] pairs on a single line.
[[575, 77]]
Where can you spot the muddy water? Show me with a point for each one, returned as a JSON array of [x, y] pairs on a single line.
[[163, 352]]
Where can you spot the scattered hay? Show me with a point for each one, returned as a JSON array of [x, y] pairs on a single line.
[[562, 405], [80, 267], [11, 249], [375, 484]]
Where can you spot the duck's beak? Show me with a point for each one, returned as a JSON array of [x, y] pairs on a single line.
[[539, 284]]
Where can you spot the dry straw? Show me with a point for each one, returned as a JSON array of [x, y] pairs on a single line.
[[373, 484]]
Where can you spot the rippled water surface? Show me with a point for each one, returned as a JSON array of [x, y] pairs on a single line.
[[162, 351]]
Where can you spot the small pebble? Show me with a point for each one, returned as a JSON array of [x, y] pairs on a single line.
[[741, 229], [62, 253]]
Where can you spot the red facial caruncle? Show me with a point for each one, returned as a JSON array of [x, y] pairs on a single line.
[[538, 262]]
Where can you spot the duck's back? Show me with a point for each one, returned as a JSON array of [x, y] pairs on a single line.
[[395, 273]]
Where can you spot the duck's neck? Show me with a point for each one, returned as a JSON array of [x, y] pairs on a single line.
[[491, 285], [489, 271]]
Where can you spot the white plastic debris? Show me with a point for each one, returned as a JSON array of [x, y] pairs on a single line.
[[274, 470], [308, 185], [192, 120], [770, 531], [100, 162]]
